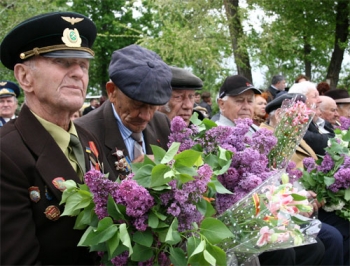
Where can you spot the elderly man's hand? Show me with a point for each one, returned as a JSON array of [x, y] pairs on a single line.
[[142, 157]]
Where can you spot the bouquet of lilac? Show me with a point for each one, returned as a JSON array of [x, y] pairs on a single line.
[[329, 176], [159, 215]]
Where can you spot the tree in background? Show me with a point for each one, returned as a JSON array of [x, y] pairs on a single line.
[[299, 36]]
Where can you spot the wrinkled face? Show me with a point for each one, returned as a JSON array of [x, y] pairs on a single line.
[[330, 112], [259, 106], [134, 115], [180, 104], [313, 98], [344, 109], [8, 106], [59, 83], [240, 106]]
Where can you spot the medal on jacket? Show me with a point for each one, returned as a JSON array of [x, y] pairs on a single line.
[[34, 194], [122, 163]]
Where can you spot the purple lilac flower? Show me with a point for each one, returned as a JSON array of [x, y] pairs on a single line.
[[140, 223], [326, 165], [163, 260], [293, 172], [309, 164], [229, 179], [263, 140], [346, 163], [100, 187], [249, 182], [135, 197], [121, 259], [342, 180], [345, 123], [189, 215], [174, 209]]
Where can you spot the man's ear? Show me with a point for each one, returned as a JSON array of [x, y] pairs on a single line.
[[111, 89], [24, 77]]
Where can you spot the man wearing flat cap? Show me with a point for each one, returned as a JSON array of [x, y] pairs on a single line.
[[184, 84], [342, 99], [128, 123], [49, 55], [9, 92], [236, 100]]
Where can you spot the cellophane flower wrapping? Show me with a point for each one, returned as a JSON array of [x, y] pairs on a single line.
[[268, 218], [295, 120]]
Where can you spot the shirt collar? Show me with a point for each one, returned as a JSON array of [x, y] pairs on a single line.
[[124, 131]]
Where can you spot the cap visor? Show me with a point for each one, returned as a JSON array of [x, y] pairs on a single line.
[[345, 100], [69, 54], [241, 90]]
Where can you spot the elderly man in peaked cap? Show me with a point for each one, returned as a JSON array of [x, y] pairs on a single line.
[[49, 55], [9, 92], [184, 84], [128, 122]]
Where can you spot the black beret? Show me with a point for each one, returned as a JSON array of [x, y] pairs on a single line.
[[277, 102], [339, 95], [236, 85], [184, 80], [56, 34], [8, 88], [141, 75]]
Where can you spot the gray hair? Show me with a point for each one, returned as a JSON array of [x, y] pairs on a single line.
[[276, 79], [302, 87]]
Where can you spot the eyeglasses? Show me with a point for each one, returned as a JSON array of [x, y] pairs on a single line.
[[183, 97]]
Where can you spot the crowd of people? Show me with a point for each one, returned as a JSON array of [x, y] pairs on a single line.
[[50, 56]]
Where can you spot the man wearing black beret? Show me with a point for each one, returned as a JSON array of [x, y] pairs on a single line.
[[184, 84], [9, 91], [128, 122], [49, 55]]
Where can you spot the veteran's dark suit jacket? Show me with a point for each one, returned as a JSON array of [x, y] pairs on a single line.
[[103, 124], [30, 158], [317, 141]]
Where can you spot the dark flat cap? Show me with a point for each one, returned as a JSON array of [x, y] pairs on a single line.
[[236, 85], [184, 80], [277, 102], [141, 75], [8, 88], [56, 34], [339, 95]]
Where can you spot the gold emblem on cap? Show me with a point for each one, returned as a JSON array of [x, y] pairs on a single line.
[[3, 83], [71, 38], [72, 20]]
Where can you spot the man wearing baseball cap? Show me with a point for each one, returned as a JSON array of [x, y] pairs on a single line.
[[49, 55], [128, 122], [184, 85], [9, 92], [236, 100]]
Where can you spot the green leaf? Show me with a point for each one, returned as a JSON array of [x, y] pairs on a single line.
[[105, 230], [223, 168], [173, 236], [188, 158], [297, 197], [158, 153], [85, 217], [158, 175], [143, 176], [192, 243], [75, 202], [214, 230], [218, 187], [143, 238], [153, 220], [347, 194], [125, 237], [112, 245], [113, 209], [218, 254], [184, 178], [148, 161], [186, 170], [199, 249], [205, 208], [209, 258], [329, 180], [171, 153], [141, 253], [177, 256]]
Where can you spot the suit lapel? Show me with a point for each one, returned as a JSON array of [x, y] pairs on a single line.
[[50, 160]]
